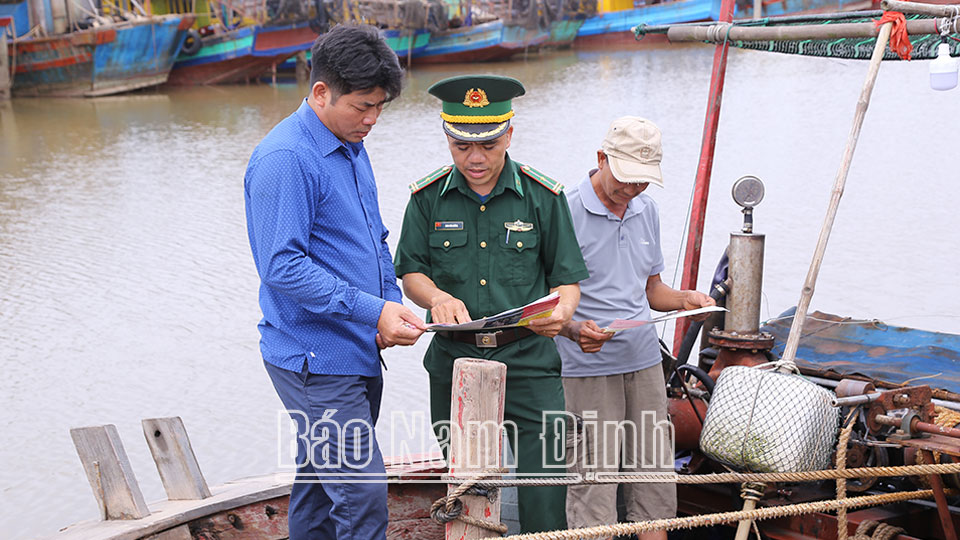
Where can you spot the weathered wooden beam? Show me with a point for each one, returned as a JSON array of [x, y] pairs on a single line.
[[109, 473], [718, 32], [176, 462], [476, 420], [809, 284], [5, 81], [918, 8]]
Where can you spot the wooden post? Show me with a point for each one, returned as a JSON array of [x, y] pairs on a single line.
[[5, 80], [176, 462], [476, 420], [302, 69], [109, 472], [806, 294], [757, 9], [698, 212]]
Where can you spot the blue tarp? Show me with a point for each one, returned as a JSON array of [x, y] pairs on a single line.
[[872, 348], [19, 16]]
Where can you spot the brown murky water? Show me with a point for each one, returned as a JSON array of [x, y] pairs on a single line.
[[127, 289]]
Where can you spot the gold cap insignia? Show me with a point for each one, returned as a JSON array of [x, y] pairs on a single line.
[[476, 97]]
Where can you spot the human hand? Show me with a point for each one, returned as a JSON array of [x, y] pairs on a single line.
[[588, 335], [398, 326], [551, 326], [445, 309], [696, 299]]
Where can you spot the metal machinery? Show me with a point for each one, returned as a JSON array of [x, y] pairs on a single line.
[[898, 426]]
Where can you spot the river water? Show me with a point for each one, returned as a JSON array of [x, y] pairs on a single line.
[[127, 289]]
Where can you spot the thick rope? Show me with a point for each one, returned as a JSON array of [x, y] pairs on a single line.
[[449, 508], [772, 512], [842, 464], [722, 478], [880, 531]]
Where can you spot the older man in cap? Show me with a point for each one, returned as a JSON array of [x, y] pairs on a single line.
[[481, 236], [615, 379]]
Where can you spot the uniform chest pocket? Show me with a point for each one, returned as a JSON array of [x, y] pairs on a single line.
[[519, 254], [448, 258]]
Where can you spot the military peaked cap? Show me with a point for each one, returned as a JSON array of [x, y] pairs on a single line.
[[477, 107]]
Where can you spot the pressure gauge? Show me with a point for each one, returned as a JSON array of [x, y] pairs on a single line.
[[748, 191]]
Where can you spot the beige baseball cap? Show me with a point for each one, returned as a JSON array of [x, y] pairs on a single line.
[[632, 146]]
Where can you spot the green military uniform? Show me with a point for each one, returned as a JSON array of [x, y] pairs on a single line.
[[502, 252]]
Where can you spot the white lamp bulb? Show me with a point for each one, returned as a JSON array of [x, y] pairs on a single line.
[[943, 69]]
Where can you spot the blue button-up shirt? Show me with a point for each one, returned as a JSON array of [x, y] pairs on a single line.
[[320, 249]]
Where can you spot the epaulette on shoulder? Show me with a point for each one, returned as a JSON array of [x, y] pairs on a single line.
[[542, 179], [430, 178]]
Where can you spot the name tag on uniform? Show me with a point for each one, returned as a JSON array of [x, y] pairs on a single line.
[[448, 225]]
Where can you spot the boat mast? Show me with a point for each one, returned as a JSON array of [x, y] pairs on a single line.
[[691, 257]]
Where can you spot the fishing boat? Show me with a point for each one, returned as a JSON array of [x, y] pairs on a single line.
[[615, 25], [240, 54], [563, 32], [474, 43], [114, 56], [406, 43]]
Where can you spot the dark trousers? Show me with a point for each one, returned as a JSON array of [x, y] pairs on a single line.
[[335, 415], [541, 508]]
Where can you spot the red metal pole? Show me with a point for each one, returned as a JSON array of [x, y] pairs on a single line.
[[691, 257]]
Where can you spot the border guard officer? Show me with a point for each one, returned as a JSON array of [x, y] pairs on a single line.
[[482, 236]]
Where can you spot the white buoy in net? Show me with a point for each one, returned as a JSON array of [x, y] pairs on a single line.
[[760, 420]]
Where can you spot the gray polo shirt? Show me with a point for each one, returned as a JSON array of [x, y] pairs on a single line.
[[620, 255]]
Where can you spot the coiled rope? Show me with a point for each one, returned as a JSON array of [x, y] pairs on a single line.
[[690, 522], [450, 508]]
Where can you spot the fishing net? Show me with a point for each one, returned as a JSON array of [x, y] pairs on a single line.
[[764, 421], [924, 46]]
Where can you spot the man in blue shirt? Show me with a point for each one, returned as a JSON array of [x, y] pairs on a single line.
[[328, 290]]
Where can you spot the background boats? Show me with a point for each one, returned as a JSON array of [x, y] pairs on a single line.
[[241, 54], [61, 48]]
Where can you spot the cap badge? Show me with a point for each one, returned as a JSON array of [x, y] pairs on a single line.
[[476, 97]]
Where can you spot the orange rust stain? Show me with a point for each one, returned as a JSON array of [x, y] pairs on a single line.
[[874, 352], [834, 347]]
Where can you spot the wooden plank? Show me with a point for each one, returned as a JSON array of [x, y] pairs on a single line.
[[177, 533], [176, 462], [476, 420], [109, 473]]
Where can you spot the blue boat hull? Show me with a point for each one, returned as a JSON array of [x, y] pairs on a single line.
[[483, 42], [680, 11], [101, 61], [241, 54]]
